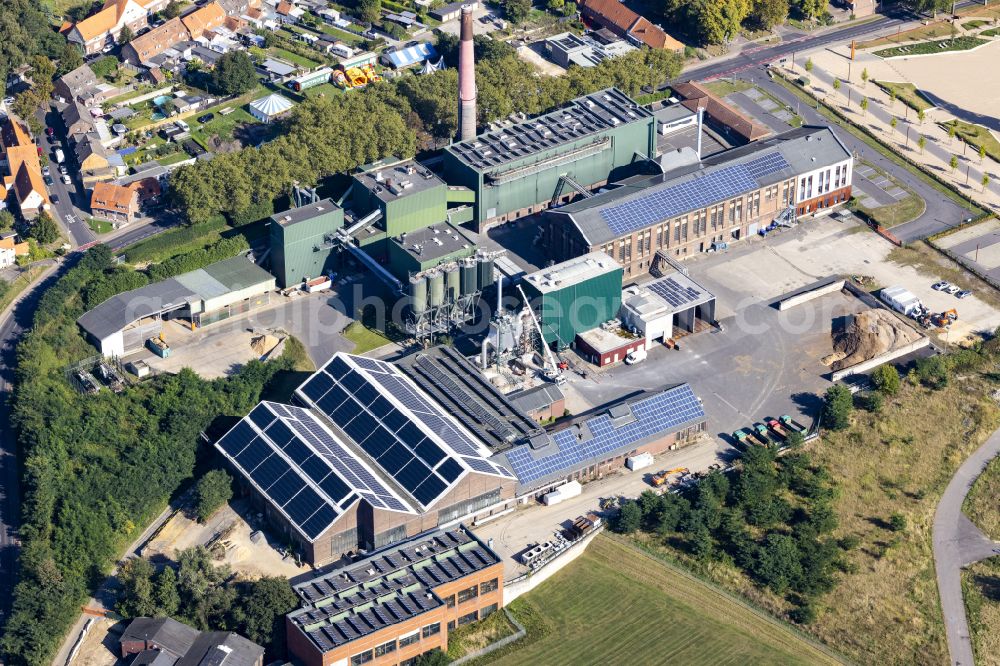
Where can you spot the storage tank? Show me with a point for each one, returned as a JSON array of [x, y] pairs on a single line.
[[418, 294], [452, 282], [435, 289], [485, 272], [469, 277]]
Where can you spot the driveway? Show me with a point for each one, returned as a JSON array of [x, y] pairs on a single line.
[[959, 543]]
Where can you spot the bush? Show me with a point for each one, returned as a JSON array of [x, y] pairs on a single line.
[[870, 401], [933, 371], [837, 407], [886, 379], [211, 492], [897, 522]]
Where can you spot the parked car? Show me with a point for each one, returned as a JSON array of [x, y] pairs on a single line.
[[940, 286], [54, 198], [206, 118], [49, 131], [963, 293], [66, 179], [63, 170], [46, 170], [952, 289], [48, 180]]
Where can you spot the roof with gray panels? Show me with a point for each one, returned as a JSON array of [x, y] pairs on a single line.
[[641, 203]]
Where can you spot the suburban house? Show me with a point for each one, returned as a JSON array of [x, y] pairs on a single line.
[[286, 12], [23, 172], [77, 119], [200, 21], [96, 162], [163, 640], [70, 85], [102, 29], [8, 241], [155, 42], [114, 203], [625, 23], [238, 7]]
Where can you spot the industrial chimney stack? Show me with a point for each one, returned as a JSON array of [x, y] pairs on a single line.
[[466, 79]]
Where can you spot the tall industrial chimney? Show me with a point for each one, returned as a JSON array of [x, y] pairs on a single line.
[[466, 79]]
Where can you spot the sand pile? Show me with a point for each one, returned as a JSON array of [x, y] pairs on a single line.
[[869, 334], [262, 344]]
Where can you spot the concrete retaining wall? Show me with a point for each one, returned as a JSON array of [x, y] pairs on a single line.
[[865, 366], [516, 587], [807, 296]]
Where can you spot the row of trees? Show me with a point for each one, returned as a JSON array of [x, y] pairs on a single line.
[[719, 21], [336, 134], [772, 518], [96, 468], [207, 597]]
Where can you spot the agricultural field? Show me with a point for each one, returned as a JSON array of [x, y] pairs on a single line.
[[981, 589], [981, 504], [655, 613]]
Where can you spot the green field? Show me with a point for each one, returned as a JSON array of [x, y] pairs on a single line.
[[976, 136], [906, 93], [365, 339], [937, 46], [981, 503], [618, 605]]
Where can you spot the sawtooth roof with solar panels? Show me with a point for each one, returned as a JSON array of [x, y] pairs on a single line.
[[582, 117], [644, 201]]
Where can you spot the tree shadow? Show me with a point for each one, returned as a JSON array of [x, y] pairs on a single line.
[[989, 586]]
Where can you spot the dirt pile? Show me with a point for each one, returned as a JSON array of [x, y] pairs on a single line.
[[262, 344], [869, 334]]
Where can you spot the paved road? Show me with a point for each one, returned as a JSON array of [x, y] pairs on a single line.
[[70, 208], [13, 322], [959, 543], [941, 212]]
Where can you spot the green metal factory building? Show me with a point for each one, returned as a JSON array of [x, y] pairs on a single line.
[[519, 169], [575, 296], [301, 247]]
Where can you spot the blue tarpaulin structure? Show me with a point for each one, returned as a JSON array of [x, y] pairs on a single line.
[[411, 55]]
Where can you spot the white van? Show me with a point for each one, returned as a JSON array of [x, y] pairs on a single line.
[[637, 356]]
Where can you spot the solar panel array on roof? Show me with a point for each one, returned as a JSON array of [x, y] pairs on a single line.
[[301, 468], [711, 188], [411, 438], [675, 293], [653, 416]]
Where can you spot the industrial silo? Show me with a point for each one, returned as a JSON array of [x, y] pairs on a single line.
[[469, 276], [435, 288], [485, 272], [418, 294], [452, 282]]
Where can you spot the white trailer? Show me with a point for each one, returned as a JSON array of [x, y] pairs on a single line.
[[640, 461], [901, 300], [563, 492]]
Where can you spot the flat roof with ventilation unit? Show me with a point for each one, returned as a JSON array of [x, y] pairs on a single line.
[[571, 272], [583, 117], [434, 242], [390, 181], [303, 213]]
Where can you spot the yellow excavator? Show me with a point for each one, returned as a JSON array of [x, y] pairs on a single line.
[[661, 478]]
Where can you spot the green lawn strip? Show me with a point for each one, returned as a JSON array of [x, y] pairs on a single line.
[[931, 30], [173, 158], [976, 136], [617, 604], [907, 93], [972, 25], [364, 339], [936, 46], [19, 284], [99, 226], [723, 87], [974, 209], [992, 32], [293, 58]]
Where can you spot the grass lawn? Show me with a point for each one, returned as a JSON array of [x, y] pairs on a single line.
[[221, 126], [19, 284], [142, 90], [929, 31], [99, 226], [993, 32], [938, 46], [618, 605], [174, 158], [723, 87], [324, 89], [976, 136], [343, 35], [476, 636], [365, 339], [972, 25], [904, 210], [981, 589], [293, 58], [907, 93], [981, 504]]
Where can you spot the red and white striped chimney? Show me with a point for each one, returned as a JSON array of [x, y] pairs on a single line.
[[466, 79]]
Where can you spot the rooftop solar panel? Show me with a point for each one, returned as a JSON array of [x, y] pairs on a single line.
[[708, 189], [656, 414]]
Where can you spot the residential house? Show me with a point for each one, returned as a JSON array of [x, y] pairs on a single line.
[[72, 85], [78, 119], [163, 640], [451, 12], [7, 257], [9, 241], [23, 176], [148, 190], [329, 15], [156, 41], [286, 12], [102, 29], [202, 20], [97, 163], [238, 7], [625, 23], [114, 202]]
